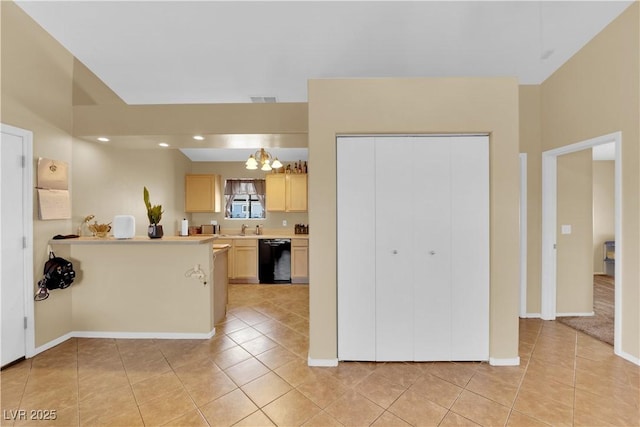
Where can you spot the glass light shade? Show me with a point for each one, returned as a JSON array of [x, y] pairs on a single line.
[[252, 167], [251, 161], [266, 166], [276, 164]]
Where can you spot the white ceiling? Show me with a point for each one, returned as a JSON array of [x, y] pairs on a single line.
[[180, 52], [168, 52]]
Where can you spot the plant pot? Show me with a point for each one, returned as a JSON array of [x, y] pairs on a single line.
[[155, 231]]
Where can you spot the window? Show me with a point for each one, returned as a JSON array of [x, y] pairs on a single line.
[[244, 199]]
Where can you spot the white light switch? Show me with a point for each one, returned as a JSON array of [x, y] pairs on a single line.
[[565, 229], [284, 222]]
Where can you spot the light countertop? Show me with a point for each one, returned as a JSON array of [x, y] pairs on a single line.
[[165, 240], [260, 236]]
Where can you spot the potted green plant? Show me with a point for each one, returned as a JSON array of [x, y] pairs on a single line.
[[154, 213]]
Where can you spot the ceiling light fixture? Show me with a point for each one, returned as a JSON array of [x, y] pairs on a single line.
[[263, 158], [103, 139], [163, 144], [198, 137]]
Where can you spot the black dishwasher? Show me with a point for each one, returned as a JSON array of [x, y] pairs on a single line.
[[274, 261]]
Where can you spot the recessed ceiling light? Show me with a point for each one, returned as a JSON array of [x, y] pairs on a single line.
[[103, 139], [163, 144], [198, 137]]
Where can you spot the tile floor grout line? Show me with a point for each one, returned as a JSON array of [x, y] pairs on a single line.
[[524, 374], [129, 380]]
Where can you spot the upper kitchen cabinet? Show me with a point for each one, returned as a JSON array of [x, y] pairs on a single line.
[[287, 192], [203, 193]]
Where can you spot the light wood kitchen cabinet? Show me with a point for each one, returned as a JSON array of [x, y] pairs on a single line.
[[230, 258], [287, 192], [296, 193], [203, 193], [245, 260], [299, 260]]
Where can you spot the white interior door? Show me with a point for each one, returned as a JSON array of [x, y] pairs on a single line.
[[394, 233], [12, 266], [356, 249], [470, 248], [432, 249]]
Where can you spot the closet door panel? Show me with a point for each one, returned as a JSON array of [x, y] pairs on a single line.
[[394, 247], [432, 249], [470, 248], [356, 249]]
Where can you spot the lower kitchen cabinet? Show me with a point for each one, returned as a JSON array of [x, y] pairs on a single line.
[[245, 254], [299, 260], [242, 266]]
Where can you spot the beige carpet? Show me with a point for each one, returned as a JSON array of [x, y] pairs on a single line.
[[600, 325]]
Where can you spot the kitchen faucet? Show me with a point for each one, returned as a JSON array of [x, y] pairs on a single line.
[[244, 229]]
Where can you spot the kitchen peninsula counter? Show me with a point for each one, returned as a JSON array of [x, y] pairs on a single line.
[[140, 287], [166, 240]]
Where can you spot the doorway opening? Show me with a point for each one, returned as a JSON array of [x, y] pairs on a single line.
[[549, 227]]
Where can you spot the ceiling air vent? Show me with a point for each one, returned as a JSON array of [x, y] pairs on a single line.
[[264, 99]]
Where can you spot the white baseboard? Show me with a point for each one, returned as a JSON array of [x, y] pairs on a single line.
[[326, 363], [531, 316], [145, 335], [575, 314], [493, 361], [124, 335], [51, 344], [629, 357]]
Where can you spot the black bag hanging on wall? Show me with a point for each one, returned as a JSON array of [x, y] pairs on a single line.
[[58, 274]]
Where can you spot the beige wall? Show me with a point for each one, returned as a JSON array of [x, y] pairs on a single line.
[[36, 95], [603, 210], [574, 291], [530, 143], [229, 170], [595, 93], [109, 181], [414, 106], [141, 287]]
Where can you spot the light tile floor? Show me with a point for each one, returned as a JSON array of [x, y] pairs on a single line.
[[254, 373]]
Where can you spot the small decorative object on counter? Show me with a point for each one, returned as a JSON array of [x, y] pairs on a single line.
[[84, 222], [301, 229], [99, 230], [154, 213], [258, 230]]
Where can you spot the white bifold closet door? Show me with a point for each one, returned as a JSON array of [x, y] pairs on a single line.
[[413, 248]]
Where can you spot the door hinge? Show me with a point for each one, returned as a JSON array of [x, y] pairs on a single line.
[[23, 160], [25, 322], [24, 242], [555, 246]]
